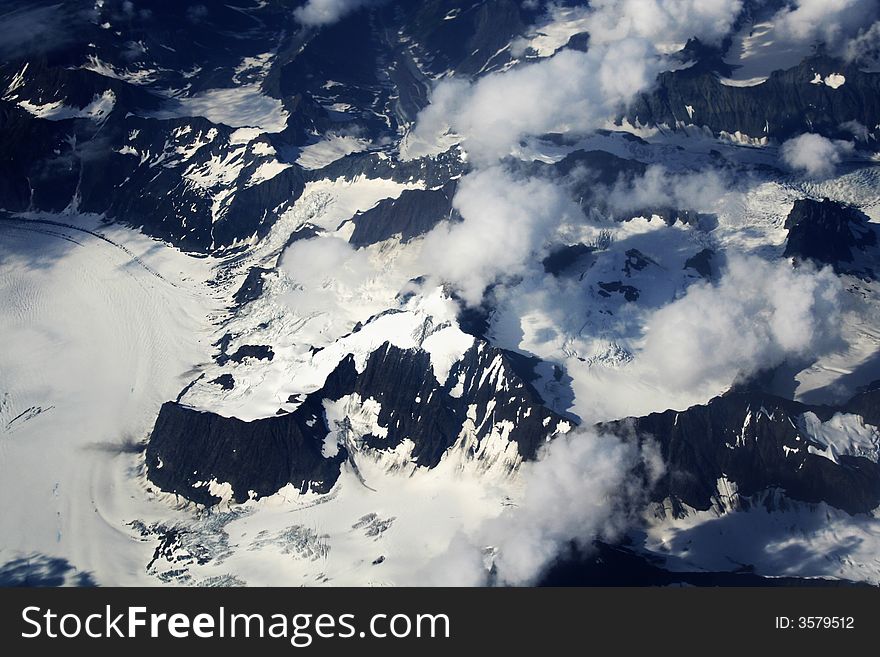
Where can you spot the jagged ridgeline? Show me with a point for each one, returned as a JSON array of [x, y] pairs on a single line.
[[150, 136], [485, 407], [159, 134], [402, 320]]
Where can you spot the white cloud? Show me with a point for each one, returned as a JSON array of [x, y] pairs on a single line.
[[572, 91], [700, 192], [582, 487], [865, 47], [506, 222], [666, 23], [316, 13], [327, 274], [814, 155], [758, 315], [830, 21]]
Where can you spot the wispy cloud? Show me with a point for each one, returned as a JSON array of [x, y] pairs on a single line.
[[40, 27], [814, 155], [756, 317], [583, 486], [505, 223], [836, 23], [316, 13]]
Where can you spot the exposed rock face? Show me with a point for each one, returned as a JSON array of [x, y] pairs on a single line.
[[24, 142], [188, 449], [434, 171], [484, 400], [190, 177], [376, 59], [866, 404], [629, 292], [701, 263], [46, 82], [414, 213], [588, 173], [173, 196], [562, 258], [225, 381], [756, 441], [252, 286], [258, 352], [786, 104], [826, 232], [484, 391], [594, 167]]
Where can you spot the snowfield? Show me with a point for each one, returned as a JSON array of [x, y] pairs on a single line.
[[103, 336], [108, 329], [774, 538], [562, 243], [95, 342]]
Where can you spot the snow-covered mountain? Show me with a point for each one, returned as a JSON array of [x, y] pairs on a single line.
[[394, 293]]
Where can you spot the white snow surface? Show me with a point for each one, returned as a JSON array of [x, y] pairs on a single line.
[[98, 110], [757, 51], [370, 530], [75, 306], [141, 76], [102, 337], [563, 23], [238, 107], [834, 80], [799, 540], [244, 105], [330, 149]]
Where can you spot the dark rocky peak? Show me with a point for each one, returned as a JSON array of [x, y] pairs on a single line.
[[563, 258], [785, 105], [135, 173], [24, 142], [188, 449], [374, 68], [580, 42], [488, 385], [587, 174], [247, 351], [584, 170], [487, 400], [474, 320], [412, 214], [629, 293], [671, 216], [701, 263], [38, 82], [826, 232], [434, 171], [462, 35], [252, 287], [636, 261], [704, 58], [866, 404], [163, 43], [604, 168], [758, 442]]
